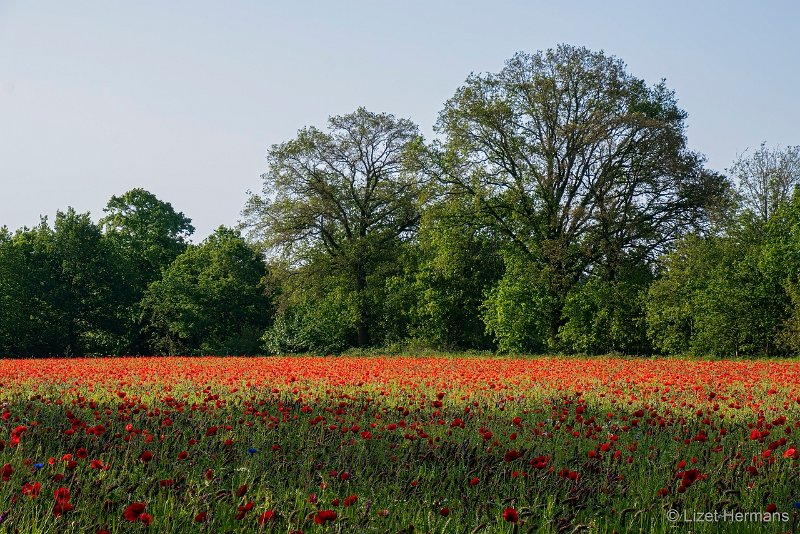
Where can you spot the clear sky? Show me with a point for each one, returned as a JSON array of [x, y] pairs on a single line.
[[185, 98]]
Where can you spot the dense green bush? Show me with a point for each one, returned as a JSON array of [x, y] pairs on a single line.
[[210, 300]]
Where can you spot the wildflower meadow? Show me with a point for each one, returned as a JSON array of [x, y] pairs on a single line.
[[379, 444]]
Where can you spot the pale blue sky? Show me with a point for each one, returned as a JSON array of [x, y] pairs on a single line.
[[185, 98]]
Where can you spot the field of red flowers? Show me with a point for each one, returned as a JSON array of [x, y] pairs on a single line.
[[377, 444]]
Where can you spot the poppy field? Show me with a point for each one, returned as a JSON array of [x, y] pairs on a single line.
[[388, 444]]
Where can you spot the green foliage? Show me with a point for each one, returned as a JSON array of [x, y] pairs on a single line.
[[603, 317], [13, 331], [780, 262], [210, 300], [60, 287], [576, 163], [343, 199], [318, 320], [670, 312], [88, 296], [517, 310], [147, 234], [717, 296], [457, 263], [146, 230]]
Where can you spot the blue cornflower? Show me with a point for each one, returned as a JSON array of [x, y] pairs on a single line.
[[797, 505], [252, 450], [38, 466]]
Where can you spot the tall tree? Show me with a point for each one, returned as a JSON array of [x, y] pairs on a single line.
[[767, 178], [89, 293], [147, 234], [340, 201], [580, 165]]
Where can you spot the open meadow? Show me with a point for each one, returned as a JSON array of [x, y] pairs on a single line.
[[378, 444]]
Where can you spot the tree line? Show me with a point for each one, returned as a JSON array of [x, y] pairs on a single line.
[[558, 209]]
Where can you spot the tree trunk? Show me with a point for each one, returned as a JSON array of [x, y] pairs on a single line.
[[363, 326], [555, 325], [363, 335]]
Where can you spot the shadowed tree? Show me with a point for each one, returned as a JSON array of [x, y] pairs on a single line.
[[60, 290]]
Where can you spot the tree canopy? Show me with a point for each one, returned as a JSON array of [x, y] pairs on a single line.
[[558, 207], [210, 300], [343, 197], [580, 165]]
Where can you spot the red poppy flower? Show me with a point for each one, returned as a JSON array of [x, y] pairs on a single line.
[[82, 453], [61, 494], [266, 517], [474, 481], [133, 511], [32, 489], [512, 455], [510, 515], [324, 516], [6, 472], [146, 456], [61, 508], [349, 501], [444, 512], [200, 517]]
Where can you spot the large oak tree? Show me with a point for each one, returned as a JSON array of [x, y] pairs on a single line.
[[580, 165]]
